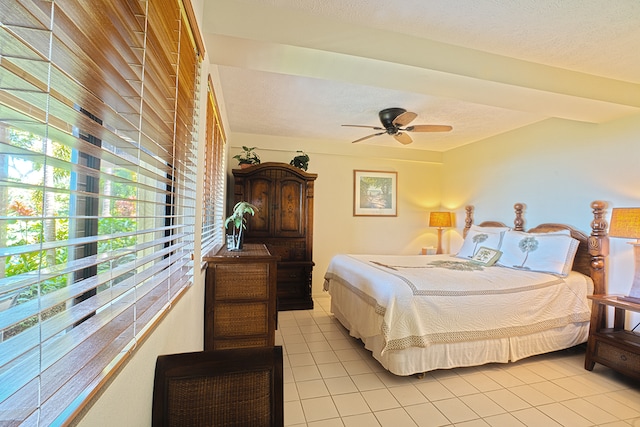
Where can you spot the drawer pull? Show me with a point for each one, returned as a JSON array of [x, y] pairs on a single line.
[[623, 357]]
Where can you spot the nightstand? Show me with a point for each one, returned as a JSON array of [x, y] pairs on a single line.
[[614, 347]]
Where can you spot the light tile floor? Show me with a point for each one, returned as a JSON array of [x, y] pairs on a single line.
[[332, 381]]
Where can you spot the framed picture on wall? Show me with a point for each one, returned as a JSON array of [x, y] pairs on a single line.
[[375, 193]]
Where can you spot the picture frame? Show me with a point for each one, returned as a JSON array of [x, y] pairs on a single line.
[[375, 193], [486, 256]]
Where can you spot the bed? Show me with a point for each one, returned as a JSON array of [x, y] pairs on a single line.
[[425, 312]]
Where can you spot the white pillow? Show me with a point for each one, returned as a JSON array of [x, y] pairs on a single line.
[[544, 252], [477, 237]]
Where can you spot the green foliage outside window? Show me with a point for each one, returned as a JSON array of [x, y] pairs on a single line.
[[27, 227]]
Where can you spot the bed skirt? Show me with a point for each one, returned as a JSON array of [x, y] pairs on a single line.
[[414, 360]]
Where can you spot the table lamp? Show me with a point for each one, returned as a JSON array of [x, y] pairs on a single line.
[[440, 220], [625, 222]]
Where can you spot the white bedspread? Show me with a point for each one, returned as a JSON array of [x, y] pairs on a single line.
[[442, 299]]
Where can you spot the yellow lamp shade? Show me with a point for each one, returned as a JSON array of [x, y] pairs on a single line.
[[625, 222], [440, 219]]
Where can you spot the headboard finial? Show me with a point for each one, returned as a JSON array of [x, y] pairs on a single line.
[[599, 224], [519, 221], [468, 219]]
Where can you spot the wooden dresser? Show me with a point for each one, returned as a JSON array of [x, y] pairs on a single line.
[[240, 298], [284, 222]]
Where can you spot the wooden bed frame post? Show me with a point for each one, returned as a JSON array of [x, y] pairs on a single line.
[[519, 221], [468, 220], [598, 247]]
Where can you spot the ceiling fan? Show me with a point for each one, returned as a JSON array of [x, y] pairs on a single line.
[[394, 122]]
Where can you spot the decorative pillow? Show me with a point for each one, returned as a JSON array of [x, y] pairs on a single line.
[[486, 256], [544, 252], [477, 236]]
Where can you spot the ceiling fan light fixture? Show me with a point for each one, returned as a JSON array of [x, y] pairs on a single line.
[[389, 115]]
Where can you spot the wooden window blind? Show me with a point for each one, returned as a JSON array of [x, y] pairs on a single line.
[[214, 177], [97, 191]]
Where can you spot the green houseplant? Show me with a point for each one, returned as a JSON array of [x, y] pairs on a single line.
[[301, 160], [237, 219], [248, 157]]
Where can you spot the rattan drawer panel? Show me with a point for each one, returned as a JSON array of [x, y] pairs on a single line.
[[238, 319], [617, 357], [240, 342], [249, 281]]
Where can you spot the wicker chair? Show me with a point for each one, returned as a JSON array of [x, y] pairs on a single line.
[[235, 387]]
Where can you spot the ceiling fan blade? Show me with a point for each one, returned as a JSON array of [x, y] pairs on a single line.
[[403, 138], [404, 118], [368, 136], [428, 128], [365, 126]]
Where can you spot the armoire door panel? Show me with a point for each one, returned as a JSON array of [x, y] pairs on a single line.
[[259, 194], [289, 219]]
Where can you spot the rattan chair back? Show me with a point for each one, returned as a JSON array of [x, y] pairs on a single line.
[[230, 388]]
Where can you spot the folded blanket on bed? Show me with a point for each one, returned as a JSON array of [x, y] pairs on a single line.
[[442, 299]]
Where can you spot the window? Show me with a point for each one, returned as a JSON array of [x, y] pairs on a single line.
[[97, 190], [214, 177]]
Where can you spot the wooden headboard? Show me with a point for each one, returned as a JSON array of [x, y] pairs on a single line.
[[592, 250]]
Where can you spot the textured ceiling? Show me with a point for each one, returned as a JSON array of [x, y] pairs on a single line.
[[302, 68]]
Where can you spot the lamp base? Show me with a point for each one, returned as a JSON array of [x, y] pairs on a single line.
[[439, 250], [634, 292]]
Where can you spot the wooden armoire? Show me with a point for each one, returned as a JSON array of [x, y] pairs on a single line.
[[284, 222]]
